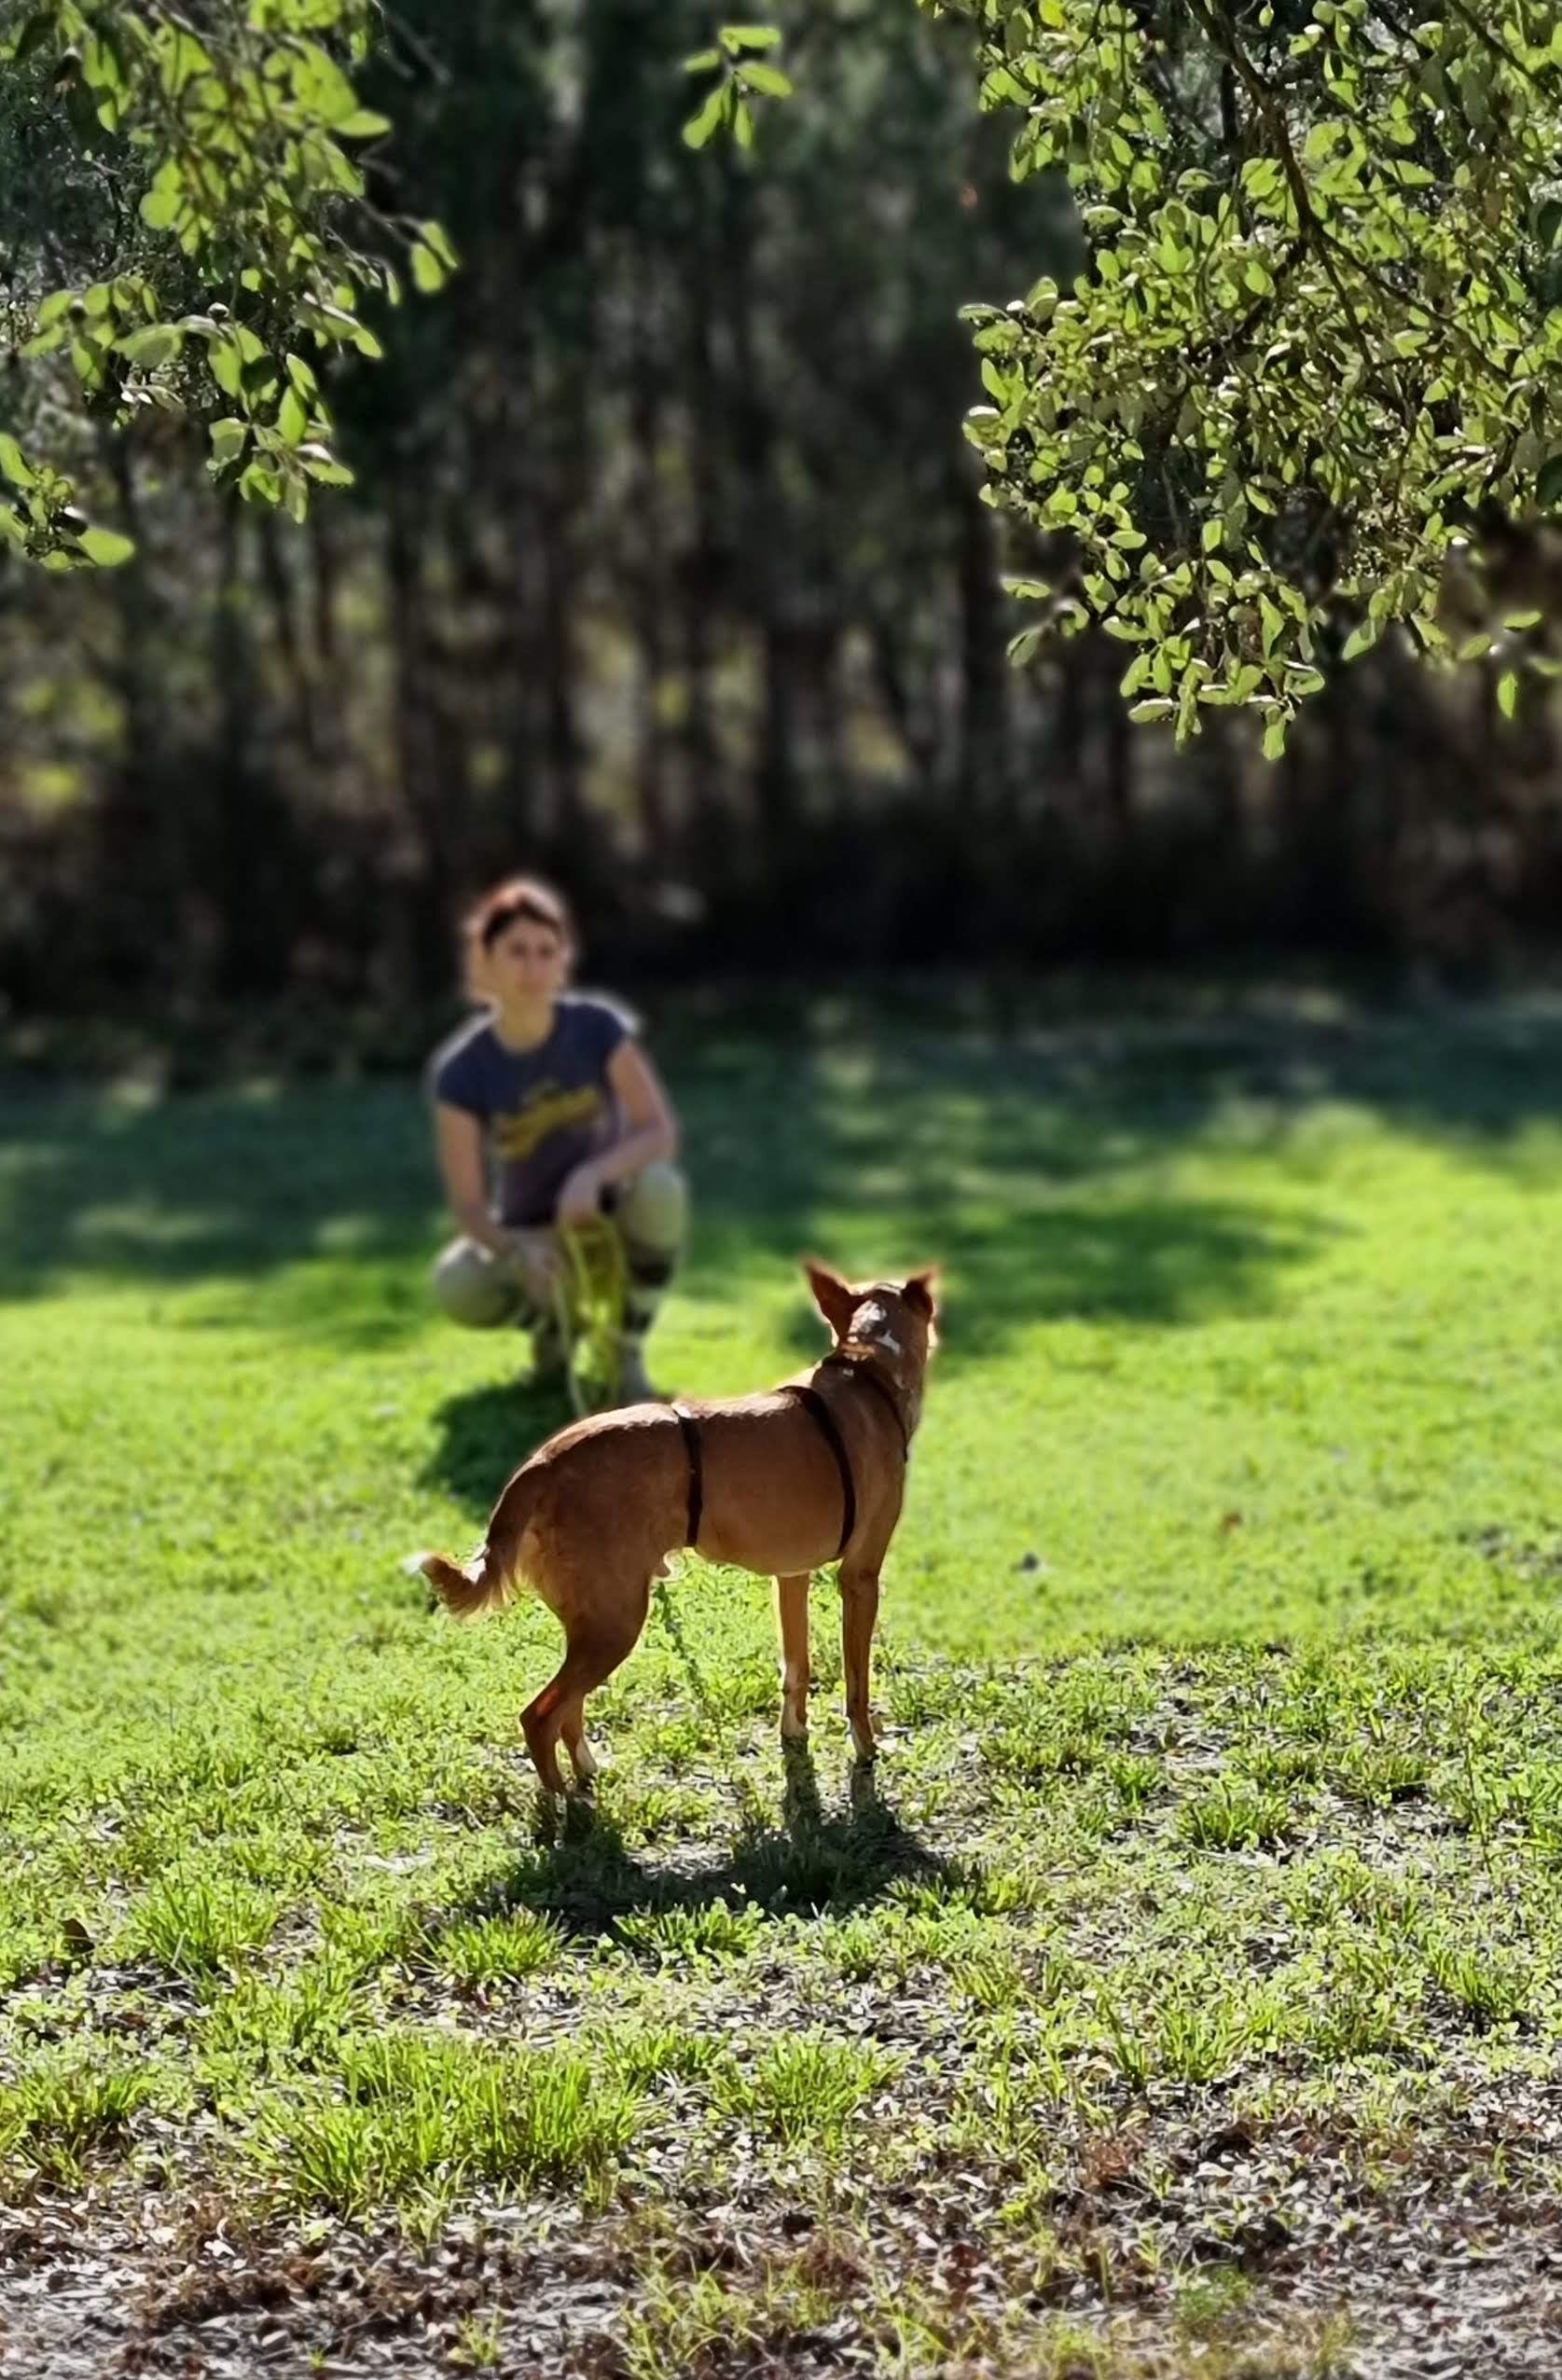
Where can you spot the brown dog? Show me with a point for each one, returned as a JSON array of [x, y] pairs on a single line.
[[810, 1473]]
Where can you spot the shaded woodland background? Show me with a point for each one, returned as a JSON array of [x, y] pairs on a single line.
[[667, 570]]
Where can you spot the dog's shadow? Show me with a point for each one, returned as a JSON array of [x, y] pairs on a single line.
[[488, 1433], [816, 1863]]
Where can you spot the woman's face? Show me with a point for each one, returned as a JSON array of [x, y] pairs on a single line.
[[527, 962]]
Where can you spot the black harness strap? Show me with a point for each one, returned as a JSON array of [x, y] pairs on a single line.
[[690, 1429], [881, 1389], [814, 1405]]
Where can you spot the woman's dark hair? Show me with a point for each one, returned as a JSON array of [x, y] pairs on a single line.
[[519, 896]]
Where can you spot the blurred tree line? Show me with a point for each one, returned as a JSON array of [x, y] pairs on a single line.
[[665, 568]]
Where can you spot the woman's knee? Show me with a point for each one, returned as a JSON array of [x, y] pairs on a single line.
[[475, 1288], [653, 1210]]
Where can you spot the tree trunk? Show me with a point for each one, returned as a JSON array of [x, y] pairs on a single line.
[[767, 540], [649, 578], [983, 765], [422, 961], [700, 577], [138, 879], [296, 661]]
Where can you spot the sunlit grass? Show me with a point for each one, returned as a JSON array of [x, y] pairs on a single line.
[[1222, 1778]]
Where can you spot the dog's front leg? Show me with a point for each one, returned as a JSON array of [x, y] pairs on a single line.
[[792, 1613], [859, 1610]]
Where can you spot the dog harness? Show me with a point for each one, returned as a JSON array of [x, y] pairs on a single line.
[[820, 1414]]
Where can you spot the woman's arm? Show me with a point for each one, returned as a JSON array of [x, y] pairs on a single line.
[[650, 1137], [458, 1140]]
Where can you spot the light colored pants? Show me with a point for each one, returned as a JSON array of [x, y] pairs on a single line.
[[482, 1290]]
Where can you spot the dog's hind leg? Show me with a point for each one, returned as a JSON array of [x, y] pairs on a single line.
[[859, 1610], [792, 1613], [572, 1734], [593, 1650]]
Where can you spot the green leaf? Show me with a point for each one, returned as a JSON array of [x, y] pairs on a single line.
[[699, 127], [428, 271], [322, 465], [1548, 486], [13, 462], [767, 79], [164, 202], [105, 548], [229, 437], [228, 366], [362, 125], [158, 344], [1507, 693], [734, 38], [292, 418], [322, 85]]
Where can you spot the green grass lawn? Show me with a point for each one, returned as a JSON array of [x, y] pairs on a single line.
[[1181, 1994]]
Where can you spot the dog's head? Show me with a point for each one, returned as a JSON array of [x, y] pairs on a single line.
[[897, 1318]]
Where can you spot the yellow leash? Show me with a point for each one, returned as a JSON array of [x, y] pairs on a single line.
[[588, 1307]]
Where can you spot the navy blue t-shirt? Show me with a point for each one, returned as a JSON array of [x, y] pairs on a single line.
[[544, 1111]]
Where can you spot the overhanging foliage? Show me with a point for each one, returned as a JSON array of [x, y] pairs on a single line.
[[185, 229], [1313, 351]]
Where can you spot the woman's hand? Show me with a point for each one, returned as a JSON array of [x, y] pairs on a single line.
[[537, 1261], [580, 1200]]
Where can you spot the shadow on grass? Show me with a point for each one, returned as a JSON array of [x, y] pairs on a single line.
[[485, 1433], [227, 1189], [814, 1863], [311, 1208]]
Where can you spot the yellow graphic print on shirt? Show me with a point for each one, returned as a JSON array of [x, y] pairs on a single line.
[[547, 1110]]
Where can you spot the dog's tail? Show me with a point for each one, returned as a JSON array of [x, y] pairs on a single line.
[[490, 1580]]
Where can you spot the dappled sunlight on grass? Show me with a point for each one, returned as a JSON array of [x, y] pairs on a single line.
[[1205, 1892]]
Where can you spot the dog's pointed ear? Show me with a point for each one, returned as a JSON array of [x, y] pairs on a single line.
[[917, 1292], [830, 1294]]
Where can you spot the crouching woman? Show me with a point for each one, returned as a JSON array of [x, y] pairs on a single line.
[[547, 1113]]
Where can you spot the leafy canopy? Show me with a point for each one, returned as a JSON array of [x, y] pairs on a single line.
[[1314, 348], [185, 229]]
